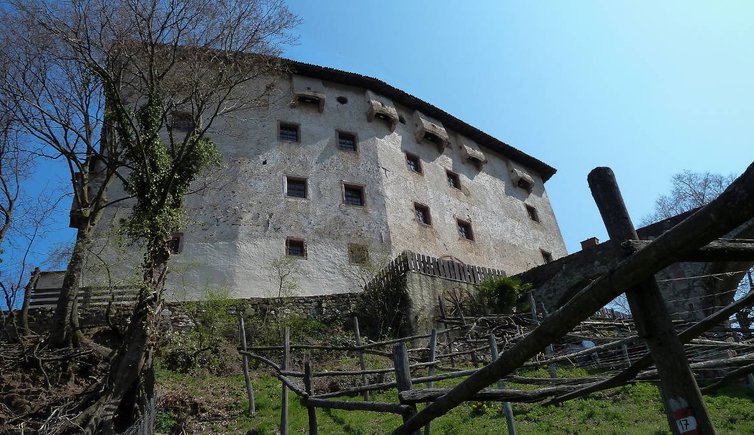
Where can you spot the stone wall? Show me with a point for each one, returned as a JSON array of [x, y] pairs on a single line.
[[328, 309]]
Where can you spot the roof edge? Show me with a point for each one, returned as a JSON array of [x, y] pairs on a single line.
[[449, 121]]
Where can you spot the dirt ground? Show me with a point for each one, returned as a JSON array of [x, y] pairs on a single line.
[[36, 380]]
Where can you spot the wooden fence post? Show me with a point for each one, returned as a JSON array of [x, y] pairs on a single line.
[[507, 409], [549, 350], [246, 375], [552, 368], [403, 375], [447, 331], [431, 370], [362, 364], [684, 405], [533, 305], [284, 399], [310, 410], [474, 359], [625, 355]]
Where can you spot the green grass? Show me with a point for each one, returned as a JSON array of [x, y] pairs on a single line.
[[633, 409]]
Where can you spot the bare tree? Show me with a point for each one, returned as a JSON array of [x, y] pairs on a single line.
[[160, 72], [689, 190], [23, 220], [11, 173], [31, 225], [59, 103]]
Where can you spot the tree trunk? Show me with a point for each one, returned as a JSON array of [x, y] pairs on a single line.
[[64, 328], [27, 298], [130, 384]]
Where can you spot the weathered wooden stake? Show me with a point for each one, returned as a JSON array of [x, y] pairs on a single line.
[[283, 367], [431, 369], [507, 409], [533, 305], [246, 375], [445, 326], [750, 381], [684, 405], [310, 410], [549, 350], [362, 364], [403, 376], [625, 355]]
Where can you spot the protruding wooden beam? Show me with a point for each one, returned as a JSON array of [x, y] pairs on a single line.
[[714, 251], [684, 405]]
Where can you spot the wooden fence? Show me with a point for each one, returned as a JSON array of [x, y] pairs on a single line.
[[416, 362], [432, 266]]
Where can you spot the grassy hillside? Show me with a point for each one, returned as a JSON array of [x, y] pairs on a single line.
[[217, 404]]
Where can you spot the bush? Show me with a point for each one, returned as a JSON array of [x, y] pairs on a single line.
[[210, 344], [500, 294], [383, 309]]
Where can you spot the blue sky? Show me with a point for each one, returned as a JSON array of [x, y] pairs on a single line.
[[647, 88]]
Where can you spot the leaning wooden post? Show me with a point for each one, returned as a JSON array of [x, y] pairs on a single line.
[[247, 377], [362, 364], [431, 369], [27, 300], [507, 409], [447, 330], [310, 410], [535, 318], [684, 405], [549, 350], [284, 399], [533, 305], [403, 375], [625, 355], [463, 323]]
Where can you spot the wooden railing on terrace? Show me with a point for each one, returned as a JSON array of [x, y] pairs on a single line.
[[432, 266]]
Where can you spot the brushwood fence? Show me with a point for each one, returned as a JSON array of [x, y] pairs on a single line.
[[605, 343]]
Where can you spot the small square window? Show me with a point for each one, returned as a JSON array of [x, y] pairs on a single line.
[[346, 141], [525, 184], [288, 132], [353, 194], [422, 214], [358, 254], [414, 163], [431, 137], [295, 247], [533, 215], [464, 230], [295, 187], [453, 180], [174, 244], [546, 256], [305, 99]]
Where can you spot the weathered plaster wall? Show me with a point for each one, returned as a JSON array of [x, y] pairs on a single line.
[[240, 217], [423, 292], [242, 230], [505, 237]]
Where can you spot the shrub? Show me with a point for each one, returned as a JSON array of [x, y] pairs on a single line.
[[210, 344], [500, 294], [383, 309]]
